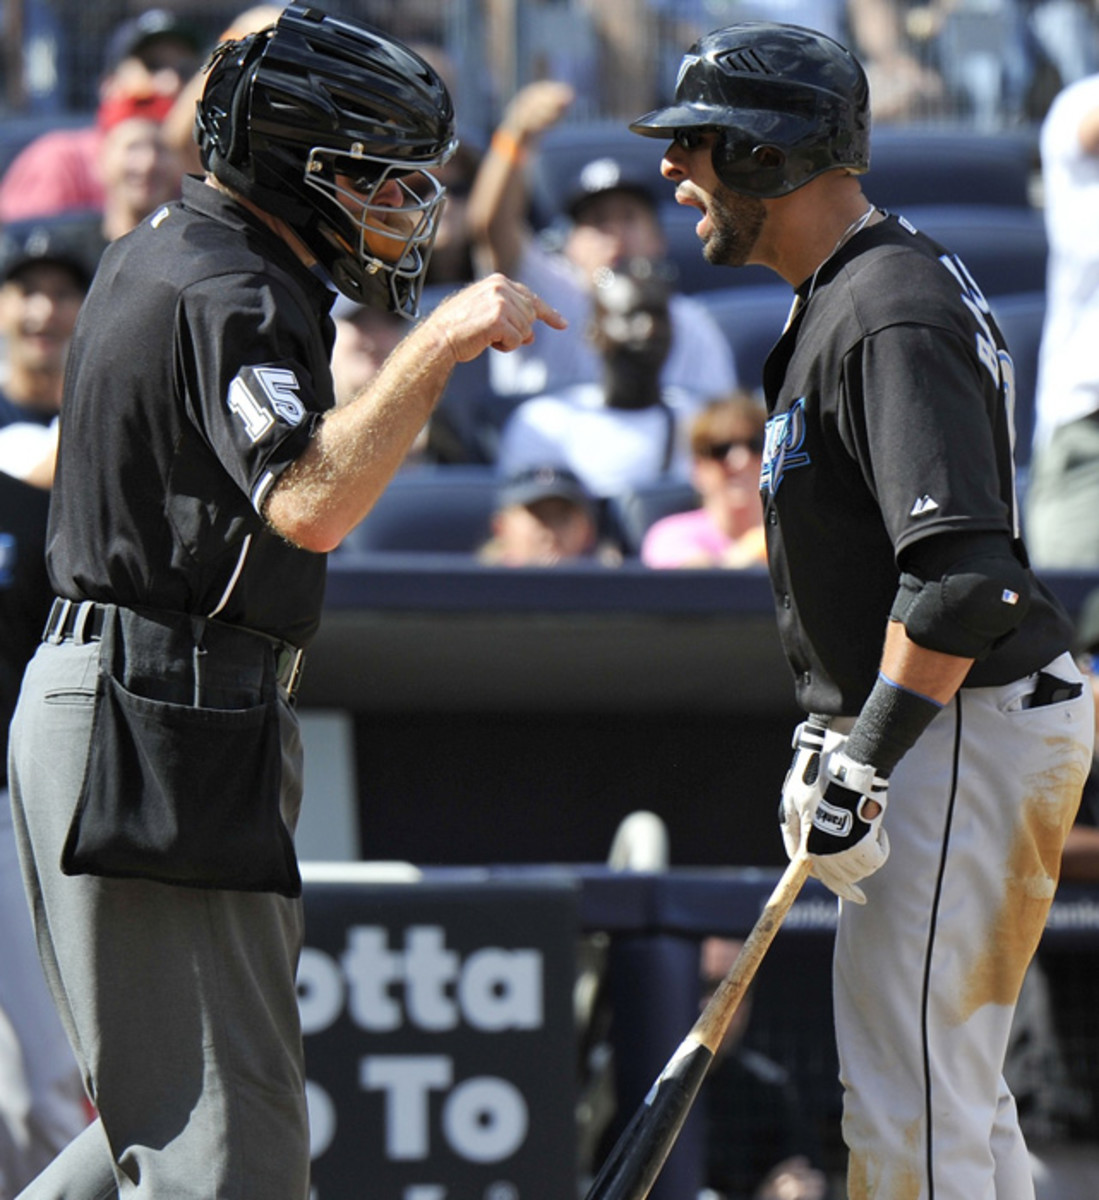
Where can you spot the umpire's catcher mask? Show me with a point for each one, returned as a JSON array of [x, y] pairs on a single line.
[[311, 118], [787, 102]]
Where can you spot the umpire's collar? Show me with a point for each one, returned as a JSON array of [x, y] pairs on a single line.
[[213, 202]]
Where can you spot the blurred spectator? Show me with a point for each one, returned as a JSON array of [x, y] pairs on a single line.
[[452, 255], [757, 1143], [545, 516], [59, 171], [622, 432], [43, 279], [558, 39], [1063, 486], [1003, 61], [44, 273], [726, 456], [140, 172], [612, 216], [364, 338]]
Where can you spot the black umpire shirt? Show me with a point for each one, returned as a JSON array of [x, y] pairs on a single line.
[[198, 370], [890, 402]]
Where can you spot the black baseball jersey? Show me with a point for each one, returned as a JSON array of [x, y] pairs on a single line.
[[198, 370], [890, 400]]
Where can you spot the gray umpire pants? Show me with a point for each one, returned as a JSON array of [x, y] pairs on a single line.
[[180, 1003], [42, 1106]]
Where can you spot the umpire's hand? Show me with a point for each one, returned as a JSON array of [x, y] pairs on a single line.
[[494, 312]]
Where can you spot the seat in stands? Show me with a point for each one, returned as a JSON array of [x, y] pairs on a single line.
[[630, 515], [431, 508]]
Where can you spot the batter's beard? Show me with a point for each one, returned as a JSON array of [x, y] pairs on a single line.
[[736, 222]]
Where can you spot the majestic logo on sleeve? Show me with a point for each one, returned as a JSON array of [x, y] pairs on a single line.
[[924, 505], [261, 396], [784, 447]]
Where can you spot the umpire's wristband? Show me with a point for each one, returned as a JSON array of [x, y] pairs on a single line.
[[891, 721]]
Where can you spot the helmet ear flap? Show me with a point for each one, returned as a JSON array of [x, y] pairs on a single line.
[[758, 169], [221, 121]]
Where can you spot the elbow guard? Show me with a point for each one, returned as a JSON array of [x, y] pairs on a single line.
[[967, 612]]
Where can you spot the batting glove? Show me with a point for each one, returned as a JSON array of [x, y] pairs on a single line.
[[800, 790], [846, 844]]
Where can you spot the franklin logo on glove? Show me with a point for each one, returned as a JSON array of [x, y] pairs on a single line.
[[836, 822]]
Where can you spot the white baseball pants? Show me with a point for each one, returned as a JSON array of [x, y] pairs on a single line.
[[928, 971]]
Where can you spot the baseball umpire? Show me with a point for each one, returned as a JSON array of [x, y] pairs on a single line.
[[203, 473], [942, 703]]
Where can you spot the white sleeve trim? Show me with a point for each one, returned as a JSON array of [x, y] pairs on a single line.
[[259, 495]]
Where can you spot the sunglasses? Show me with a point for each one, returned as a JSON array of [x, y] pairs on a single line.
[[721, 450], [690, 139]]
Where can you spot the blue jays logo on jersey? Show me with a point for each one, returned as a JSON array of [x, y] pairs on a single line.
[[784, 448]]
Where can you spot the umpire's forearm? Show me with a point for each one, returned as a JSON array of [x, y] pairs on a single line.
[[358, 447]]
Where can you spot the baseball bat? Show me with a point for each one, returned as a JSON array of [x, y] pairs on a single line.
[[639, 1154]]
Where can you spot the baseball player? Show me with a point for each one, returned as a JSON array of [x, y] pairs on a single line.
[[203, 473], [949, 732]]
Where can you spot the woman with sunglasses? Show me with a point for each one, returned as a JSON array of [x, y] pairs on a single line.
[[726, 530]]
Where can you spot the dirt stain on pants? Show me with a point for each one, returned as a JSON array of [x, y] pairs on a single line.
[[1033, 867]]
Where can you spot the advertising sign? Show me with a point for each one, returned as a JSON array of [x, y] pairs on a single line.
[[439, 1042]]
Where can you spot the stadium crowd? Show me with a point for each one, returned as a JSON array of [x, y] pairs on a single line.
[[637, 434]]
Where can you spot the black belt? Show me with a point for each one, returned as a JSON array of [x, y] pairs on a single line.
[[82, 620]]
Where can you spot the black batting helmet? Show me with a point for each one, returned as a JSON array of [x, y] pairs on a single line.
[[787, 102], [310, 118]]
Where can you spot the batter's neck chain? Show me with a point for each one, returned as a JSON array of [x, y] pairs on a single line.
[[855, 227]]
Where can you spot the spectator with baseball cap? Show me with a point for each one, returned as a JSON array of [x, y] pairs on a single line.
[[44, 275], [164, 43], [545, 516], [613, 215], [60, 171], [139, 170]]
